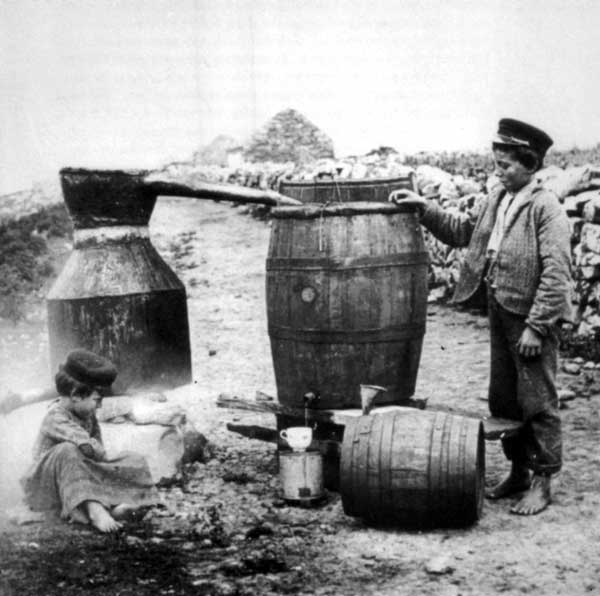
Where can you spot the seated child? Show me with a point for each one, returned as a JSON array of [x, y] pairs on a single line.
[[71, 471]]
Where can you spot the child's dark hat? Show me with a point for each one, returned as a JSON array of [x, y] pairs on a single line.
[[515, 132], [89, 368]]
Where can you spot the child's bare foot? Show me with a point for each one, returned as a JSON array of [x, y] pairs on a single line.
[[517, 481], [100, 518], [126, 511], [536, 499]]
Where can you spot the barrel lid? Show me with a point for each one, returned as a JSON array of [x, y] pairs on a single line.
[[347, 182], [314, 210]]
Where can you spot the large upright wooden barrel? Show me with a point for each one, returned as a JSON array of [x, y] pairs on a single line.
[[413, 468], [346, 301], [346, 190]]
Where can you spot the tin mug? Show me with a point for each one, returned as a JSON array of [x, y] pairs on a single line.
[[297, 437]]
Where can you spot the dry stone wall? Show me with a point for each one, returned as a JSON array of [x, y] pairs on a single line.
[[578, 189], [460, 187]]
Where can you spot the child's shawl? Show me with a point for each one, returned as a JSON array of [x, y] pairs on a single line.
[[60, 425]]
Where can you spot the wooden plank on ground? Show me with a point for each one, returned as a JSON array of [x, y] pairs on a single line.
[[226, 400], [500, 428], [261, 433], [493, 428]]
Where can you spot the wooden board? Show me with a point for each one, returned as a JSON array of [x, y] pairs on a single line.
[[330, 421]]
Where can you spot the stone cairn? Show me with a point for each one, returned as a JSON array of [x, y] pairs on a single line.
[[288, 136]]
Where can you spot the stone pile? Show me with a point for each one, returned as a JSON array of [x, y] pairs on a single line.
[[382, 163], [288, 136], [216, 153], [581, 201], [578, 189]]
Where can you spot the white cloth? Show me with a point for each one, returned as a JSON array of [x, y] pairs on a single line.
[[499, 225], [506, 209]]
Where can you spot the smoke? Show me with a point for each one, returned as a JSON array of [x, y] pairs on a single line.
[[18, 431], [24, 366]]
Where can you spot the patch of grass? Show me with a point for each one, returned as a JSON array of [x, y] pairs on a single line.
[[24, 258]]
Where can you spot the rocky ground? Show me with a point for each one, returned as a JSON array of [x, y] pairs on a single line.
[[227, 531]]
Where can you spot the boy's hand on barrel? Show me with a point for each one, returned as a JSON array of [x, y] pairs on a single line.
[[408, 197]]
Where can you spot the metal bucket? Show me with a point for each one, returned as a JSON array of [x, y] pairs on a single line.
[[301, 475]]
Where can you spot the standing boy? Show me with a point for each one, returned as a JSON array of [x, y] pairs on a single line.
[[519, 246]]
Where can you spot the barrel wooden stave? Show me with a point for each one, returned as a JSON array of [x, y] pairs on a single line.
[[346, 304], [346, 466], [414, 469]]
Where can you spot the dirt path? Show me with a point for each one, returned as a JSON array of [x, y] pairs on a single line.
[[229, 533]]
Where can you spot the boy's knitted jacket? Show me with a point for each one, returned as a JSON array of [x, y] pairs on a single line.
[[533, 263]]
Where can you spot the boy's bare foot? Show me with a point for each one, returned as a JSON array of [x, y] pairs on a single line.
[[517, 481], [126, 511], [100, 518], [536, 499]]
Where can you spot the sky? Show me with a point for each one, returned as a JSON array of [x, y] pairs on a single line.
[[138, 83]]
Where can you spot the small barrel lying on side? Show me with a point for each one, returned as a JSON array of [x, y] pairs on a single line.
[[413, 468]]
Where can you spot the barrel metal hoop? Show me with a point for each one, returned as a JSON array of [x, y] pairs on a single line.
[[325, 336], [462, 457], [434, 472], [328, 264]]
